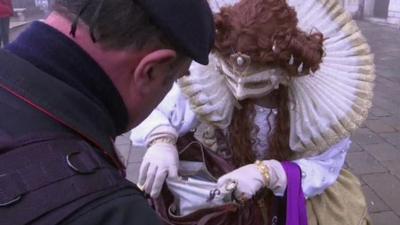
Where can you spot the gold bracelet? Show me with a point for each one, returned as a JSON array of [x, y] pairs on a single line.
[[264, 171]]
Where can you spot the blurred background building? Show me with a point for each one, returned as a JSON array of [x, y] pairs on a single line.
[[379, 10], [24, 9], [387, 11]]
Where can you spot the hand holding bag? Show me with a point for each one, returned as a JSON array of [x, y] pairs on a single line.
[[196, 188], [192, 194], [195, 209]]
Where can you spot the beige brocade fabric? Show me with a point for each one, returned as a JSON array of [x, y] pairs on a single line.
[[342, 204]]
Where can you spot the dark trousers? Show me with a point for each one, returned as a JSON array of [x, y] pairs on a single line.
[[4, 31]]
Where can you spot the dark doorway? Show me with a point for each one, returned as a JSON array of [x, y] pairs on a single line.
[[381, 8]]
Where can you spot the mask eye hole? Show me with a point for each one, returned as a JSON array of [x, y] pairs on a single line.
[[258, 84], [230, 79]]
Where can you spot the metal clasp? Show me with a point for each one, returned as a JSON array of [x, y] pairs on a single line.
[[213, 193], [274, 220], [73, 167], [16, 199]]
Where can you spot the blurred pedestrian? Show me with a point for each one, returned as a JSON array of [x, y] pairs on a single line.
[[6, 11]]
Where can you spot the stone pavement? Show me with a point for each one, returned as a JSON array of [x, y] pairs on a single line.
[[375, 154]]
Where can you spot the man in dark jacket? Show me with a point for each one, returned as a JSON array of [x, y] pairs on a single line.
[[68, 86]]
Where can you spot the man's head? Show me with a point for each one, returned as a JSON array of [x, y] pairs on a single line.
[[142, 45]]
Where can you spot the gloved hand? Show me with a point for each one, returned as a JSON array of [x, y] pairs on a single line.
[[161, 160], [250, 180]]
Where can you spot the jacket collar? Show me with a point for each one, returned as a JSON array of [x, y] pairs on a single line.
[[59, 101], [58, 56]]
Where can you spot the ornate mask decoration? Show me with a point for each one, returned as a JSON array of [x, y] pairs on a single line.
[[247, 80]]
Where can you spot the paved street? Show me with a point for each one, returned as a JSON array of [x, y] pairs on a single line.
[[375, 153]]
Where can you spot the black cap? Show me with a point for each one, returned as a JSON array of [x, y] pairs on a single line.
[[188, 24]]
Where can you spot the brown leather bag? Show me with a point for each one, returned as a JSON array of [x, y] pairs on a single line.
[[256, 211]]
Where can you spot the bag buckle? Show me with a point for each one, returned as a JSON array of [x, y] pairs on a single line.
[[213, 193], [75, 168], [15, 200]]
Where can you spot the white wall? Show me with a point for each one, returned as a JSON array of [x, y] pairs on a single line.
[[369, 8], [394, 12], [352, 6]]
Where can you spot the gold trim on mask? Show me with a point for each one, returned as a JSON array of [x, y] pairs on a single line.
[[244, 69]]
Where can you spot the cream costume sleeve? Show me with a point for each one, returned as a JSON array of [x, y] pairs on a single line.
[[172, 113], [319, 172]]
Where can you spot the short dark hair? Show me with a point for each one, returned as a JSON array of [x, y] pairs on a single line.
[[116, 24]]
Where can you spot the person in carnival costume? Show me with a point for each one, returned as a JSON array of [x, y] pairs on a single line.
[[260, 135]]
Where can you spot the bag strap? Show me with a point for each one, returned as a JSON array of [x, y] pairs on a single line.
[[222, 210], [38, 178], [116, 162], [26, 82], [214, 163], [205, 219]]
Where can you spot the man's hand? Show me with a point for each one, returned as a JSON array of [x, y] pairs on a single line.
[[161, 160]]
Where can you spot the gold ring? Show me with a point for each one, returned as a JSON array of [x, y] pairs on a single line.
[[141, 187], [231, 186], [241, 198]]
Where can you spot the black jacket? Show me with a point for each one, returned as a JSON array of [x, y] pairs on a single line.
[[59, 115]]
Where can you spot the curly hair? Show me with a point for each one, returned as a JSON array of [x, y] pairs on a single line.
[[240, 132], [267, 31]]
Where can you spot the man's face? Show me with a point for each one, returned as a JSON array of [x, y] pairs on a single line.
[[162, 81]]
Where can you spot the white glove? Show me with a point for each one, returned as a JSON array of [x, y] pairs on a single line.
[[250, 180], [161, 160], [277, 177]]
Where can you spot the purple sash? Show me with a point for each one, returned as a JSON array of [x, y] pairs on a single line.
[[296, 211]]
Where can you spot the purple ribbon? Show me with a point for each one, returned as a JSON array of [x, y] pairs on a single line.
[[296, 211]]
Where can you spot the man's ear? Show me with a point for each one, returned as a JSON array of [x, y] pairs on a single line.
[[144, 74]]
